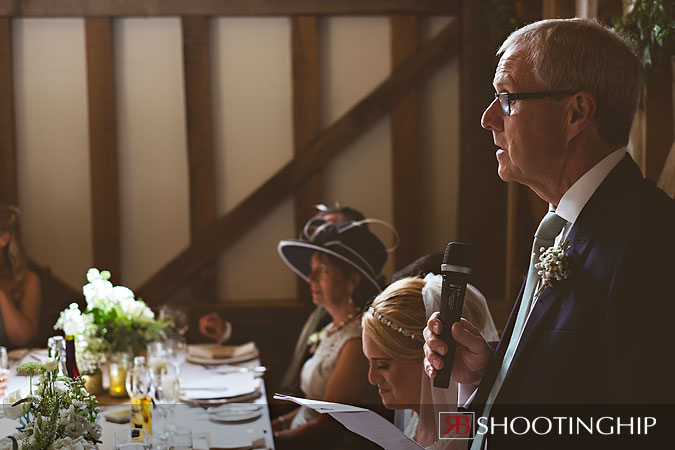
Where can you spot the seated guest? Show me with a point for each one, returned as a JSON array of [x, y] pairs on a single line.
[[20, 297], [214, 327], [393, 344], [341, 264]]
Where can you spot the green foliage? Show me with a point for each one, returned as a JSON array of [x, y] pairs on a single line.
[[651, 24], [61, 409]]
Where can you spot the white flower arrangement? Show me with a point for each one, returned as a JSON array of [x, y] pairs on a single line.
[[113, 321], [553, 264], [59, 414]]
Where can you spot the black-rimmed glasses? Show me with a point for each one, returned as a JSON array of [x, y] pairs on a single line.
[[505, 98]]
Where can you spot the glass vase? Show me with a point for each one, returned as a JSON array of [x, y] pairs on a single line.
[[93, 382]]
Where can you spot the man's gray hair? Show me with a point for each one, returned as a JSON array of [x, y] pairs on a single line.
[[580, 54]]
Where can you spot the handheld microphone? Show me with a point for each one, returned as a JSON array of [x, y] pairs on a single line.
[[455, 271]]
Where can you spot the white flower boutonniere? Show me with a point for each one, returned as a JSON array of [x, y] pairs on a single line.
[[315, 338], [553, 264]]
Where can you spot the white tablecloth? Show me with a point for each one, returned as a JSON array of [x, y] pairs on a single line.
[[196, 418]]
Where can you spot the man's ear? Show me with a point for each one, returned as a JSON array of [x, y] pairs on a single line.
[[581, 113], [4, 239]]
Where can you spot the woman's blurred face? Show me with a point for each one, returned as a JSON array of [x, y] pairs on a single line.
[[328, 283], [398, 382]]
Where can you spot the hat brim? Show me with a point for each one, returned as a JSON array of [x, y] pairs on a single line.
[[298, 256]]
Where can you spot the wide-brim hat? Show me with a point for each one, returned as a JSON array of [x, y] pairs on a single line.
[[351, 242]]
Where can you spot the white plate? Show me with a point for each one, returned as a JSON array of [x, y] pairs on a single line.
[[234, 359], [219, 401], [235, 412]]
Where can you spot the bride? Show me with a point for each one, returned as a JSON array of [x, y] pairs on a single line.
[[393, 341]]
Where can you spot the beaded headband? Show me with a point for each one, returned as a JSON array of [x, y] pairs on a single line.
[[391, 324]]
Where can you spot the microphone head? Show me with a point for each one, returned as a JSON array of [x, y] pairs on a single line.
[[457, 254]]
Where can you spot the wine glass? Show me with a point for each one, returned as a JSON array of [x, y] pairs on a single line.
[[176, 351], [4, 371], [166, 393], [157, 356], [177, 316]]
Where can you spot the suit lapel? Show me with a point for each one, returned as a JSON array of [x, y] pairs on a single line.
[[581, 235]]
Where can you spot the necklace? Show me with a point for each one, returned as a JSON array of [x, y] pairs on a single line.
[[334, 328]]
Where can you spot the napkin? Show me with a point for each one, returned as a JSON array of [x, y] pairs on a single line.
[[215, 351], [219, 386]]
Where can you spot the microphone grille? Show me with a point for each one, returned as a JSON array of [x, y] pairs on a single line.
[[457, 254]]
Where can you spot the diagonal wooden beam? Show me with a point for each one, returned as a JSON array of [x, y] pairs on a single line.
[[92, 8], [228, 229]]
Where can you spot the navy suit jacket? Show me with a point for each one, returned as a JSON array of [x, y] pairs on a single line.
[[605, 334]]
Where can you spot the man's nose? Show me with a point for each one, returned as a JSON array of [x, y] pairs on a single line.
[[493, 117]]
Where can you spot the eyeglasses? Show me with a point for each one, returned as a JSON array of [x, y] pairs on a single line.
[[505, 98]]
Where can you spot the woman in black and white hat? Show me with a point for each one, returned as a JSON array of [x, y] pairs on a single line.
[[341, 263]]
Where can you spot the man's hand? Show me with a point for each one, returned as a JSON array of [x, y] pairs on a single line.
[[471, 352], [212, 326]]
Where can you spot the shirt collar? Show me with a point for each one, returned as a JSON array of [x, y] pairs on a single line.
[[576, 197]]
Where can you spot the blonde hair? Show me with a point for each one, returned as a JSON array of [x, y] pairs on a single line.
[[13, 264], [581, 54], [402, 306]]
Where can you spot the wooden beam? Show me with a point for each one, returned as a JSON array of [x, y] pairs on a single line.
[[482, 194], [305, 67], [105, 203], [322, 149], [196, 57], [8, 167], [148, 8], [557, 9], [404, 146], [667, 178], [305, 79]]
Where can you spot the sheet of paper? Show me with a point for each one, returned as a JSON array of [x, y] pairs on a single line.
[[320, 406], [361, 421]]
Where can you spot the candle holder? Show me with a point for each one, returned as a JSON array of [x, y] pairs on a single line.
[[118, 364]]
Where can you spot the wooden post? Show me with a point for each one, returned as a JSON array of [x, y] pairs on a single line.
[[405, 142], [482, 194], [305, 78], [200, 144], [8, 179], [105, 203]]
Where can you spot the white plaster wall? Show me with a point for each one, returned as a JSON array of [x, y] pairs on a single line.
[[153, 173], [52, 144], [253, 140], [252, 135]]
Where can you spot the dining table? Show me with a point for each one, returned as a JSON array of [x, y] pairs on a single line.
[[217, 419]]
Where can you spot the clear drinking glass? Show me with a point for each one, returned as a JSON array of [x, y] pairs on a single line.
[[4, 371], [176, 351], [176, 315], [166, 393], [180, 439], [131, 439]]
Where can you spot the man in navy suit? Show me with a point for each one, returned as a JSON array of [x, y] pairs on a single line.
[[566, 95]]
